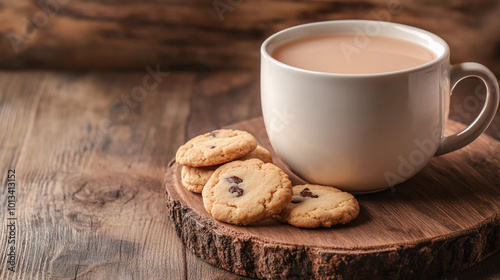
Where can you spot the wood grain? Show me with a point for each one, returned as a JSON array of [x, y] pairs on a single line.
[[91, 200], [190, 35], [85, 173], [444, 219]]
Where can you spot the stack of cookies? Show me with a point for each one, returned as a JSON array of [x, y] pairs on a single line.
[[241, 186], [202, 155]]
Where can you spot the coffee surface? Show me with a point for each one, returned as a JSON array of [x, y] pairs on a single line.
[[352, 54]]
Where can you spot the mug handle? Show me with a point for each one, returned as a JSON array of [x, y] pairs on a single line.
[[483, 120]]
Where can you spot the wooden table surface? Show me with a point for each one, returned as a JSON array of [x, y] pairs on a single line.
[[90, 151]]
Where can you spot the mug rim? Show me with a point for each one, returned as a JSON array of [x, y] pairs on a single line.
[[438, 59]]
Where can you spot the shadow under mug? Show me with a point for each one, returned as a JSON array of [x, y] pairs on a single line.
[[365, 132]]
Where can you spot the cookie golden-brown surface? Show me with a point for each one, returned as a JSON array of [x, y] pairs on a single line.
[[216, 147], [246, 192], [319, 206]]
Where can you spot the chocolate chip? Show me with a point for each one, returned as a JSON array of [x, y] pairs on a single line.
[[234, 180], [237, 190], [212, 147], [295, 201], [213, 133], [307, 193]]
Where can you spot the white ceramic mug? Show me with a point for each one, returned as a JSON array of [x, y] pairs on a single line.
[[365, 132]]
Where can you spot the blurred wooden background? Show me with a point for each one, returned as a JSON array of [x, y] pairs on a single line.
[[205, 35]]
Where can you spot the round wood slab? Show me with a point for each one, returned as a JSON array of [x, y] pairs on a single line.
[[444, 219]]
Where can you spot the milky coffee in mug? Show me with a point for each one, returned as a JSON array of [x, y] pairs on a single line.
[[332, 53], [362, 105]]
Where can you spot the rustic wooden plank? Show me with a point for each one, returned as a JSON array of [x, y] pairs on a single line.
[[54, 131], [90, 196], [444, 219], [18, 105], [190, 35]]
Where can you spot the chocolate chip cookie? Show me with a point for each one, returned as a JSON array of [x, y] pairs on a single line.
[[246, 192], [319, 206], [195, 178], [216, 147], [259, 153]]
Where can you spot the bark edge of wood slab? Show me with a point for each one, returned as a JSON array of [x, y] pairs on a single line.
[[444, 219]]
